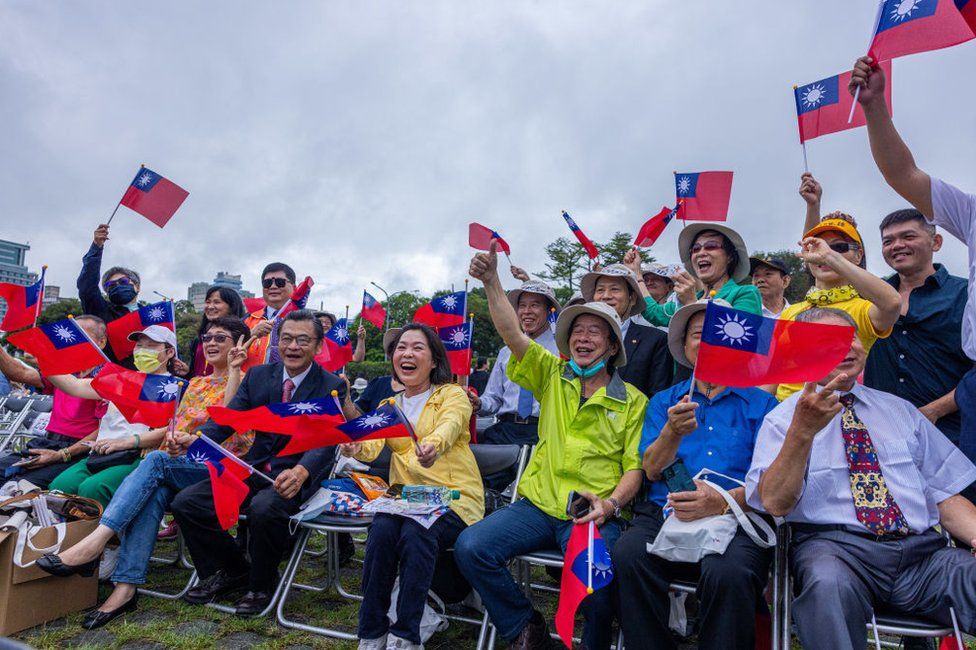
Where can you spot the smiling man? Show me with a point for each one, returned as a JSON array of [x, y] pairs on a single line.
[[771, 276], [277, 285]]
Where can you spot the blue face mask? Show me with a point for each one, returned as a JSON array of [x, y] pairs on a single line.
[[122, 294], [585, 373]]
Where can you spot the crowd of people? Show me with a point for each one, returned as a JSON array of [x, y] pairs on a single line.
[[871, 466]]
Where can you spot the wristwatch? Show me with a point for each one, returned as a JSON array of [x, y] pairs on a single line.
[[616, 506]]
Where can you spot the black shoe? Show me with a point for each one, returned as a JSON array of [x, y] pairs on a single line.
[[347, 549], [53, 565], [252, 603], [97, 618], [217, 585]]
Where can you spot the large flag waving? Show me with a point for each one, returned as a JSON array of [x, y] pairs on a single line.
[[654, 227], [141, 398], [443, 311], [591, 251], [824, 106], [703, 196], [153, 196], [743, 349], [385, 422], [911, 26], [373, 311], [309, 422], [160, 313], [60, 348], [480, 238], [23, 304], [227, 476], [586, 568]]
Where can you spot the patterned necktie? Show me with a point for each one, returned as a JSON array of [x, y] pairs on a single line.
[[525, 402], [287, 388], [873, 503]]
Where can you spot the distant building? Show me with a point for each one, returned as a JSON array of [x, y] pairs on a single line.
[[13, 267], [52, 294], [197, 292], [225, 279]]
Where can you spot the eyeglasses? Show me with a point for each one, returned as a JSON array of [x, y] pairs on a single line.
[[115, 283], [844, 246], [708, 246], [278, 282], [216, 338], [302, 341]]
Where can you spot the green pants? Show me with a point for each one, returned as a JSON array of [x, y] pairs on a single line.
[[101, 486]]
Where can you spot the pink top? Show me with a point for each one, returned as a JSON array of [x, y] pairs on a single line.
[[71, 416]]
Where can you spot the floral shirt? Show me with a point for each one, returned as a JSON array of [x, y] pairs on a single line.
[[192, 413]]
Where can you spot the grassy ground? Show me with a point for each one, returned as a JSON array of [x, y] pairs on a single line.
[[160, 623]]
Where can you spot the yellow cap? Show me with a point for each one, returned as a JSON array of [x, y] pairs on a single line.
[[843, 226]]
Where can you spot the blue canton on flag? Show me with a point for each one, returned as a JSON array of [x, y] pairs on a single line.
[[686, 185], [319, 406], [202, 451], [162, 388], [456, 337], [145, 179], [602, 566], [818, 94], [899, 12], [160, 312], [737, 330], [64, 333]]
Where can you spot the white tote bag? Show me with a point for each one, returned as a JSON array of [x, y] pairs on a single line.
[[690, 541]]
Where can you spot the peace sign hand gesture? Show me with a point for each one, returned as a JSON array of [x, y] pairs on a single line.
[[237, 355]]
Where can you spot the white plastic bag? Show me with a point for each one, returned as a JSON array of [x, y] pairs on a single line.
[[432, 620]]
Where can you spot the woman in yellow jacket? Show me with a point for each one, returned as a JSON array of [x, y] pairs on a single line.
[[440, 413]]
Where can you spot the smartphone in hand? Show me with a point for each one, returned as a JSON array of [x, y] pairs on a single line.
[[677, 477], [577, 505]]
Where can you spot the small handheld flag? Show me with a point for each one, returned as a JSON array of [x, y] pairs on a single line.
[[385, 422], [591, 251], [160, 313], [153, 196], [654, 227], [457, 341], [823, 106], [586, 568], [338, 343], [227, 476], [480, 238], [908, 27], [23, 303], [60, 348], [373, 311], [703, 196], [141, 398], [443, 311]]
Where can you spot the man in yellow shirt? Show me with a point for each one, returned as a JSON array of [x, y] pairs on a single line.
[[589, 429]]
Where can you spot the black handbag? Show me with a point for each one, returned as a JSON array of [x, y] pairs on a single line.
[[100, 462]]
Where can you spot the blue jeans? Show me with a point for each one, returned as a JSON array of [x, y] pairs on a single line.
[[140, 503], [483, 551]]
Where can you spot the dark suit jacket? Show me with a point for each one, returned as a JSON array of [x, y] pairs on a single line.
[[261, 386], [649, 363]]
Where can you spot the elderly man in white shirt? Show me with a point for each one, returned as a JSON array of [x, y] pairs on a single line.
[[771, 276]]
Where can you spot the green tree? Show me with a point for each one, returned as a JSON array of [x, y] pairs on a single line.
[[183, 307], [60, 310], [800, 278], [613, 251], [567, 263], [187, 326]]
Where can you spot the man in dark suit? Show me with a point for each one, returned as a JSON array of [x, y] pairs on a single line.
[[220, 562], [650, 367]]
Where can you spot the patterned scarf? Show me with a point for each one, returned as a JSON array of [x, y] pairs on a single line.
[[823, 297]]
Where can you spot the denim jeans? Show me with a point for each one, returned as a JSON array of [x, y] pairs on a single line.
[[140, 503], [483, 551]]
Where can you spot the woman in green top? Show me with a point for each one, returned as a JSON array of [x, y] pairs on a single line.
[[717, 260]]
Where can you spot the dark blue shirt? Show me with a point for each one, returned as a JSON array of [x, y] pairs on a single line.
[[724, 439], [923, 360]]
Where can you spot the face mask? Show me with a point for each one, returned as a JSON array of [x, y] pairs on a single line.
[[121, 294], [146, 360], [584, 373]]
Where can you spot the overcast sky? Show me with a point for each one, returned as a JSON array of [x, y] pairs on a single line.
[[356, 140]]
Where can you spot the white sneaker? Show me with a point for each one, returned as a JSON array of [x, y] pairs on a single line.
[[373, 644], [396, 643], [110, 557]]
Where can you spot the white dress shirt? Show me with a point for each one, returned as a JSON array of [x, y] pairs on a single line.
[[921, 468], [956, 212], [501, 393], [769, 313]]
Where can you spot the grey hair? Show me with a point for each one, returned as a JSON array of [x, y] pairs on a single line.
[[129, 273], [817, 314]]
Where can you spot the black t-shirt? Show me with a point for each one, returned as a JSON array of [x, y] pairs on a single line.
[[377, 390]]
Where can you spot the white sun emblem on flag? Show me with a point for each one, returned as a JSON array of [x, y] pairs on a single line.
[[814, 95], [342, 334], [157, 313], [733, 330], [903, 10], [197, 457], [64, 333], [684, 185], [145, 179], [303, 407], [458, 337], [374, 421], [169, 390], [602, 566], [449, 302]]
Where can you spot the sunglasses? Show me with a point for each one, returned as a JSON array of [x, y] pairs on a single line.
[[115, 283], [278, 282], [843, 246], [707, 246], [216, 338]]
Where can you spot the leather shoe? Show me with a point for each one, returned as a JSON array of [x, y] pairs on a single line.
[[217, 585], [53, 565], [252, 603], [534, 636], [97, 618]]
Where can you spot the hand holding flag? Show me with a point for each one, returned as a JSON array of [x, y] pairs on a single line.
[[480, 238], [586, 568]]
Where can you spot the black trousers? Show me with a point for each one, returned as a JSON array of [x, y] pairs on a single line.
[[729, 590], [213, 548], [42, 476]]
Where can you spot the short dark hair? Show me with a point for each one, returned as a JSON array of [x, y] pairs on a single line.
[[275, 267], [229, 296], [727, 246], [235, 326], [441, 372], [904, 216], [306, 316]]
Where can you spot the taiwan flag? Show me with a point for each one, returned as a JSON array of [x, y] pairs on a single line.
[[153, 196], [227, 476], [823, 106], [586, 568], [338, 344], [552, 318], [911, 26], [385, 422], [457, 341], [60, 348], [141, 398], [373, 311], [591, 251], [743, 349], [308, 422], [654, 227], [443, 311], [160, 313], [703, 196], [480, 238], [968, 10], [298, 300], [23, 304]]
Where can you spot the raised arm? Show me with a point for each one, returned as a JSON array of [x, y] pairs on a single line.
[[89, 290], [360, 353], [484, 267], [74, 386], [811, 192], [891, 154], [16, 371]]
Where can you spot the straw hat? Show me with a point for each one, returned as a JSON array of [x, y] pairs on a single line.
[[690, 233], [536, 287], [588, 285]]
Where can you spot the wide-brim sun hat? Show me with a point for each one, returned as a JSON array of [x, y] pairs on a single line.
[[575, 299], [687, 237], [536, 287], [564, 324], [389, 336], [679, 323], [588, 285], [156, 333]]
